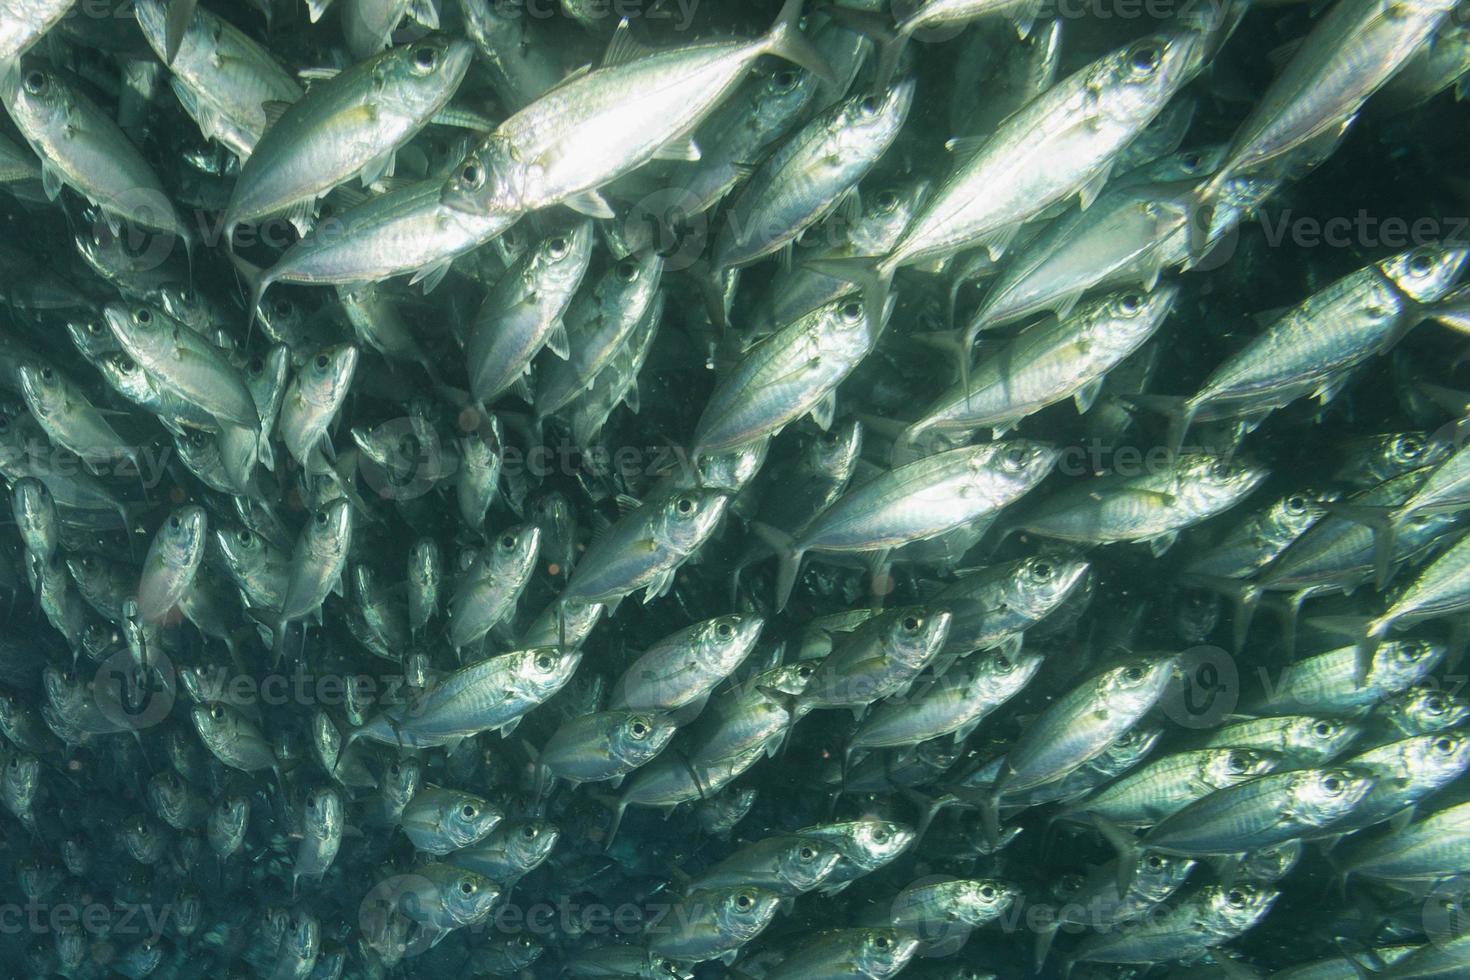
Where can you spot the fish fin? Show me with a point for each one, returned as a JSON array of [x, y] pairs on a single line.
[[681, 148], [592, 204], [996, 243], [315, 9], [302, 217], [424, 13], [624, 47], [789, 555], [1046, 933], [180, 16], [785, 40], [274, 109], [874, 279], [659, 586], [318, 73], [965, 145], [51, 181], [824, 410], [431, 275], [1385, 534], [1157, 546], [1094, 187], [627, 503], [1024, 18], [1086, 396], [632, 399], [1124, 843], [378, 168], [460, 117], [1177, 410]]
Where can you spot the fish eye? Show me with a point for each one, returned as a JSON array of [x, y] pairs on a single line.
[[1323, 729], [1145, 58], [217, 712], [1296, 504], [869, 106], [1332, 784], [174, 523], [557, 248], [143, 315], [724, 631], [881, 835], [1003, 663], [322, 361], [529, 831], [393, 770], [282, 307], [1190, 161], [1153, 862], [886, 201], [468, 887], [545, 662], [507, 541], [803, 672], [322, 519], [1238, 763], [1444, 745], [469, 811], [472, 176], [35, 82], [911, 624], [744, 901], [311, 802], [47, 374], [881, 942], [806, 853], [94, 328], [684, 505], [1131, 303], [1134, 673], [852, 312], [426, 58], [1236, 898], [987, 892], [1420, 265], [257, 365], [784, 81], [1042, 571], [639, 728], [628, 271], [1015, 456]]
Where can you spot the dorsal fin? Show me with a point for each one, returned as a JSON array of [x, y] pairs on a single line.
[[623, 47]]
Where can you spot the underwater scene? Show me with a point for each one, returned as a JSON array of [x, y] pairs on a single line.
[[752, 489]]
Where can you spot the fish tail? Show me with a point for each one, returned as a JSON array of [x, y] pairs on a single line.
[[1177, 411], [1125, 844], [873, 277], [789, 555], [257, 281], [1201, 204], [1385, 524], [785, 40]]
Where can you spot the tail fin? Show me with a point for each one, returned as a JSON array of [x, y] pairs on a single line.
[[1244, 597], [785, 40], [789, 555], [180, 16], [1127, 847], [872, 277], [1385, 524], [1178, 411], [257, 281], [1202, 214]]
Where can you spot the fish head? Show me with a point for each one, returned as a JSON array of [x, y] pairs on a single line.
[[1128, 750], [873, 843], [1272, 863], [560, 259], [727, 640], [914, 635], [1430, 710], [833, 454], [884, 952], [531, 841], [33, 506], [244, 551], [1443, 755], [1213, 480], [999, 673], [978, 901], [181, 539], [1226, 767], [329, 531], [1043, 582], [325, 378], [44, 392], [491, 179], [640, 736], [143, 330], [400, 782], [1157, 876], [546, 670], [1138, 683], [1319, 739], [91, 336], [1233, 910], [1399, 663], [1426, 274], [426, 72], [1137, 80], [1019, 463], [22, 776], [37, 94], [1133, 314], [513, 554], [743, 912], [805, 862], [688, 517], [468, 819], [323, 814], [303, 938], [1323, 796], [467, 897], [870, 119]]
